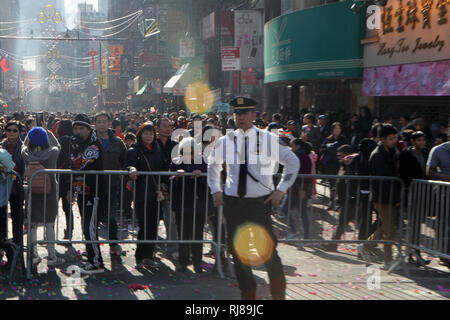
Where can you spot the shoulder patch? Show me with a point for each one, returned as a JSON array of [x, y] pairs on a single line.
[[91, 153]]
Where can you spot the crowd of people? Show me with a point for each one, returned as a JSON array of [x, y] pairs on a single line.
[[139, 142]]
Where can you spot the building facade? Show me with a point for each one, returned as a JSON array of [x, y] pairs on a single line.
[[407, 60], [313, 64]]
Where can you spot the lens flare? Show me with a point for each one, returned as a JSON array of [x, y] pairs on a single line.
[[199, 98], [253, 245]]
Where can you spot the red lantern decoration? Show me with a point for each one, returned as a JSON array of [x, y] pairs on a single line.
[[93, 53], [4, 64]]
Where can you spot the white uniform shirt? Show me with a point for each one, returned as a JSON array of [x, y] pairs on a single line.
[[264, 155]]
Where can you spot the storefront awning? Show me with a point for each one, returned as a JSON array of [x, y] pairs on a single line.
[[174, 82], [331, 49], [143, 89]]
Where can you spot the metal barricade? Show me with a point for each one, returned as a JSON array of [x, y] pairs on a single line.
[[6, 183], [110, 198], [428, 219], [355, 206]]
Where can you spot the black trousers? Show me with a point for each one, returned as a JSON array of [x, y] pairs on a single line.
[[240, 212], [90, 227], [68, 214], [362, 215], [185, 228], [17, 216], [147, 214], [110, 218]]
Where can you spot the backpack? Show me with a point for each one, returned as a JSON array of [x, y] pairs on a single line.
[[41, 183]]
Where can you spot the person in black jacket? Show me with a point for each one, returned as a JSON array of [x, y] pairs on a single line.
[[146, 156], [164, 131], [366, 147], [87, 152], [114, 155], [382, 163], [347, 192], [190, 223], [329, 160], [65, 133], [310, 132], [412, 165], [412, 160]]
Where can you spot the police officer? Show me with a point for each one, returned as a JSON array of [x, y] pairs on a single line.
[[250, 195]]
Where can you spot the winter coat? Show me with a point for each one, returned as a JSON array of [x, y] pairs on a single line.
[[44, 211], [329, 148], [114, 157], [20, 165], [167, 151], [305, 168], [88, 157], [136, 157], [409, 167], [189, 188], [5, 179], [348, 189], [63, 162], [366, 147], [383, 163]]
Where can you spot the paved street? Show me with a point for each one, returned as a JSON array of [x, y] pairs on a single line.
[[312, 274]]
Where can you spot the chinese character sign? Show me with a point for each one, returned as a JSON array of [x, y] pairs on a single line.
[[115, 53], [411, 31]]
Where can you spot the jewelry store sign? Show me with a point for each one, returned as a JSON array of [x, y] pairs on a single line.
[[410, 32]]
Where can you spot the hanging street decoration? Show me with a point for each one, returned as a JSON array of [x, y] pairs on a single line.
[[49, 13], [47, 17], [101, 81], [4, 64], [93, 53]]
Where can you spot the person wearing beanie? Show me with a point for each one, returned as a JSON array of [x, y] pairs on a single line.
[[82, 120], [38, 136], [42, 147], [87, 155]]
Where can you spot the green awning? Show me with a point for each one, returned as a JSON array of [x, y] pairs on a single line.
[[328, 48], [142, 90]]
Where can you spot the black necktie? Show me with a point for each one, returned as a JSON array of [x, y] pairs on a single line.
[[242, 187]]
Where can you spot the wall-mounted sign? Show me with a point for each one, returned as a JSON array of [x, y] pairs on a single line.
[[115, 53], [187, 48], [179, 91], [209, 26], [248, 25], [410, 32], [231, 60]]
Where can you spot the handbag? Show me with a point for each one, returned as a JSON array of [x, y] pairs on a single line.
[[160, 188]]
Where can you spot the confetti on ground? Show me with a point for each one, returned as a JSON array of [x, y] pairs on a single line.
[[313, 293], [136, 286]]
